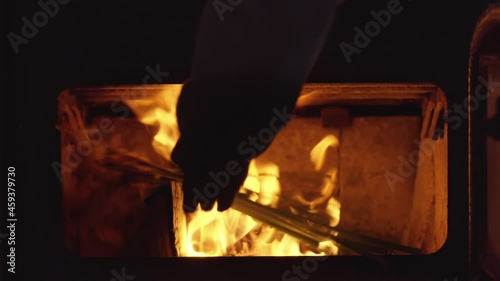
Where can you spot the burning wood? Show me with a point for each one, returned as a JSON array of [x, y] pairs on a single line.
[[322, 238]]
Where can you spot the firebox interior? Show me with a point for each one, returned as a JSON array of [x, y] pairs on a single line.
[[368, 159]]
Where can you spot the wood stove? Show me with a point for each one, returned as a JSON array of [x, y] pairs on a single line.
[[388, 163]]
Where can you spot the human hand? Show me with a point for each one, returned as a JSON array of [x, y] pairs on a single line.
[[207, 177]]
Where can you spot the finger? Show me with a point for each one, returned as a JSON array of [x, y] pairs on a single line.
[[208, 194], [195, 188], [208, 205], [226, 197], [189, 202]]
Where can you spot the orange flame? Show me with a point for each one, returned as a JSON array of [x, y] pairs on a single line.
[[159, 111]]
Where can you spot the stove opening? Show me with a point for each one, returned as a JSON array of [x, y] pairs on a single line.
[[361, 169]]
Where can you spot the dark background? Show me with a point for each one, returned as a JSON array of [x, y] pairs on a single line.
[[111, 42]]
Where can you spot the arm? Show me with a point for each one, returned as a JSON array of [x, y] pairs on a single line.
[[247, 73]]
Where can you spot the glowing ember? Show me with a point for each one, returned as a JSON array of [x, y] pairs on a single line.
[[231, 232]]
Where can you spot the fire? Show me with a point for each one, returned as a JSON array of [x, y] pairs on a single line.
[[160, 113], [318, 157], [232, 233]]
